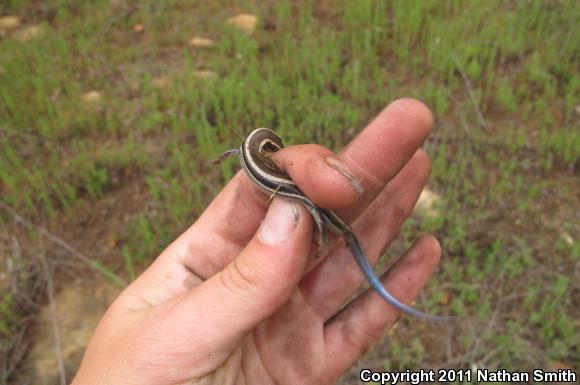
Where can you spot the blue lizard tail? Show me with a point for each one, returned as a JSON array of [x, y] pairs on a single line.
[[377, 285]]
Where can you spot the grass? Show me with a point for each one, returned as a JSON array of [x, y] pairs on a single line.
[[500, 77]]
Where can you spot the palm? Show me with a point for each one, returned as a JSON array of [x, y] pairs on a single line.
[[291, 346]]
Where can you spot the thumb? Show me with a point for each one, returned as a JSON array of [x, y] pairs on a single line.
[[258, 281]]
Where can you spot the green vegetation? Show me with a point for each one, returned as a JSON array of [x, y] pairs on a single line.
[[501, 78]]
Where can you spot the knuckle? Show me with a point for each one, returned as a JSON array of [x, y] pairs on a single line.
[[369, 331], [399, 213], [241, 277], [361, 338]]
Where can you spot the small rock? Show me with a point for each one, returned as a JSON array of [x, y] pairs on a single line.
[[92, 96], [139, 28], [567, 238], [245, 22], [201, 42], [79, 307], [113, 242], [427, 203], [446, 298], [554, 366], [28, 33], [204, 74], [8, 23], [558, 115], [160, 82]]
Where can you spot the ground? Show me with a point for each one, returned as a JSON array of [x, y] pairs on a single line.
[[110, 112]]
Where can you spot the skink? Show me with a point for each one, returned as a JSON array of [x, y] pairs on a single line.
[[255, 157]]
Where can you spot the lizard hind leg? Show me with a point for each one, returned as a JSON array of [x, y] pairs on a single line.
[[323, 247]]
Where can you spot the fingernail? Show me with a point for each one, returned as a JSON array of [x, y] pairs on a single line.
[[279, 223], [354, 182]]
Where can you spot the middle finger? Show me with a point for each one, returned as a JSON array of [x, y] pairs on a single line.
[[335, 279]]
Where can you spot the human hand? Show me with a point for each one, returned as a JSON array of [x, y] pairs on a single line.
[[240, 297]]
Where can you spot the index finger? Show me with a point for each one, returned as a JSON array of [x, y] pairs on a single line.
[[373, 158]]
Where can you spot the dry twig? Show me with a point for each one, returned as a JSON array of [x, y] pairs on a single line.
[[59, 241], [470, 92], [53, 319]]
